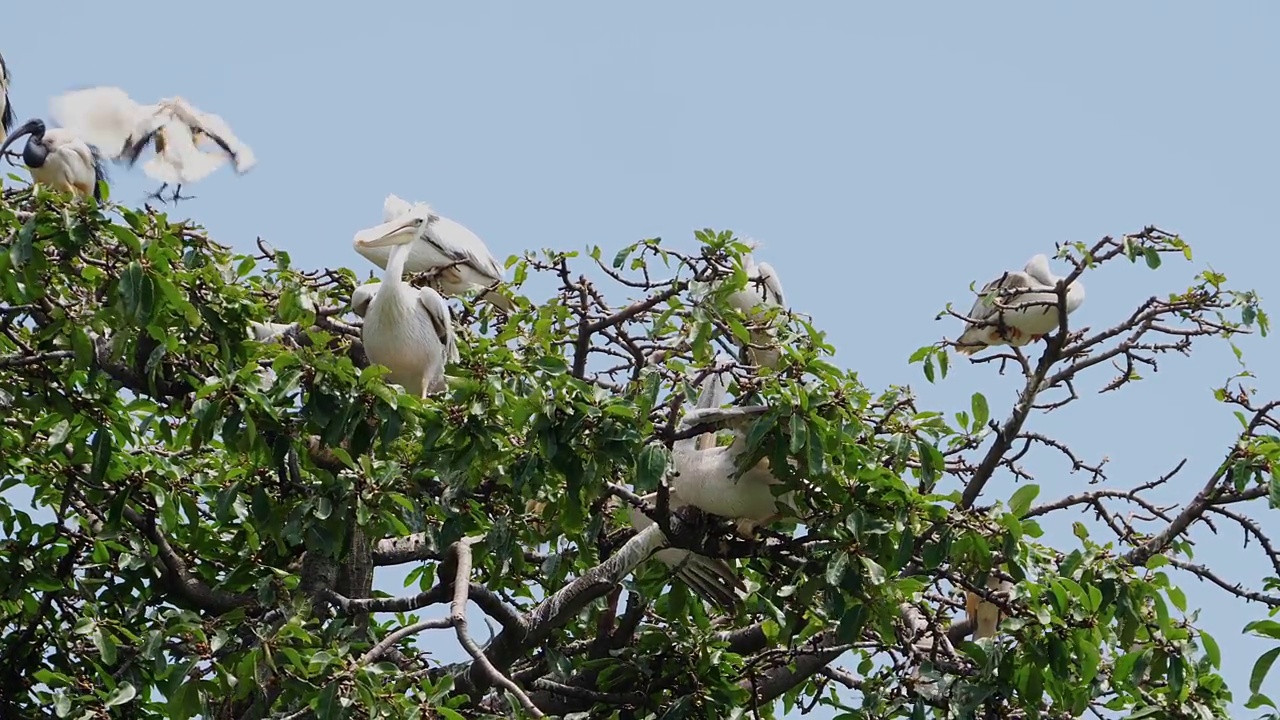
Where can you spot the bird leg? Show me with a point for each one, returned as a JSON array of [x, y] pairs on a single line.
[[177, 195], [159, 194]]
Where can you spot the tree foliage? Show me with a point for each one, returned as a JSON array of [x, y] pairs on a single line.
[[212, 507]]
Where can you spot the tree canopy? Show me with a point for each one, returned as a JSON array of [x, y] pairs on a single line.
[[211, 508]]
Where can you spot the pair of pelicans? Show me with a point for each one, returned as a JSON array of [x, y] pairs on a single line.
[[104, 123]]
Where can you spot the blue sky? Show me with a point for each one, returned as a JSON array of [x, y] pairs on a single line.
[[886, 156]]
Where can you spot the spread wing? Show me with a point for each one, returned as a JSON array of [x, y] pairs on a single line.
[[441, 319], [106, 117], [177, 159], [208, 125]]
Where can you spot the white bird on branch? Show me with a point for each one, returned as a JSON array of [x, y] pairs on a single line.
[[6, 109], [711, 578], [456, 258], [123, 128], [706, 477], [984, 616], [407, 330], [1017, 308], [763, 291], [57, 157]]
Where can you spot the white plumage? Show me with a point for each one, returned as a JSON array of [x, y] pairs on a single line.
[[407, 330], [763, 290], [704, 474], [6, 109], [1017, 308], [60, 159], [711, 578], [984, 617], [189, 143], [456, 257]]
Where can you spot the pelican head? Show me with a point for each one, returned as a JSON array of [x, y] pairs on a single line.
[[401, 231], [34, 154]]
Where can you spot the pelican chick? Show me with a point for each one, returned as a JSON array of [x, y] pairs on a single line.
[[57, 157], [1017, 308], [457, 259], [406, 330], [176, 130]]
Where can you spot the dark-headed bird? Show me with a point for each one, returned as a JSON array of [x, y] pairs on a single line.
[[6, 110], [189, 144], [57, 157]]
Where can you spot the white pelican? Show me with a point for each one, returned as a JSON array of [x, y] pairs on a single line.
[[406, 330], [711, 578], [1030, 312], [59, 159], [705, 474], [110, 119], [457, 258], [984, 617], [763, 290], [6, 110]]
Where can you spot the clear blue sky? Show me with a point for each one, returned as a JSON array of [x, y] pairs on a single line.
[[886, 155]]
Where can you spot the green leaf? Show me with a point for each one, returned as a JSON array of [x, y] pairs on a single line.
[[650, 466], [1211, 650], [100, 448], [1021, 501], [1152, 257], [123, 693], [1264, 628], [105, 645], [799, 434], [981, 412], [836, 568], [875, 573]]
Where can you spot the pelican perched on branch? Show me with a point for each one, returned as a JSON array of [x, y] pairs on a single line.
[[6, 109], [57, 157], [1017, 308], [177, 130], [763, 291], [711, 578], [706, 477], [456, 258], [407, 330]]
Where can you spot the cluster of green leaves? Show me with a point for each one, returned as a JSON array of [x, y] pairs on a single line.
[[188, 468]]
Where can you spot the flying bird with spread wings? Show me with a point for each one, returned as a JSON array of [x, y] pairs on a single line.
[[457, 259], [1017, 308], [189, 143]]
